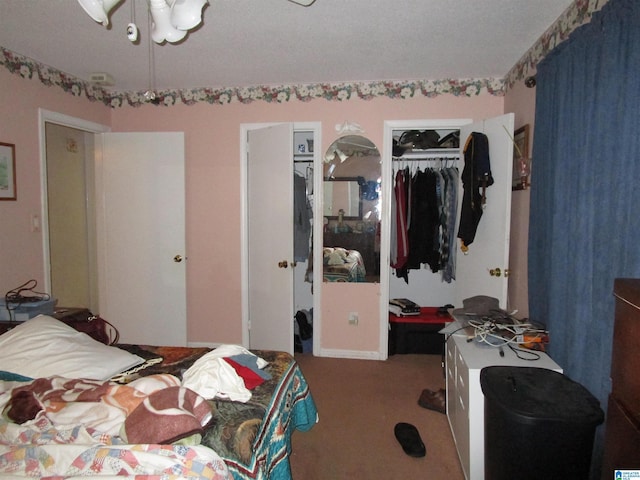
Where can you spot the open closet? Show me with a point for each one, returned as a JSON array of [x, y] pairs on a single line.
[[442, 272], [277, 160], [426, 191], [303, 218]]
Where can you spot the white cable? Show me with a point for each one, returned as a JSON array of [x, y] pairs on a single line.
[[489, 330]]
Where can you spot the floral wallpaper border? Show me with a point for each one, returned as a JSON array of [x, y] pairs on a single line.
[[577, 14]]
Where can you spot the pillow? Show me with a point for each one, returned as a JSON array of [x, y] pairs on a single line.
[[335, 259], [45, 347]]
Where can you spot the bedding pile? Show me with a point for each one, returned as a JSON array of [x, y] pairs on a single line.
[[167, 412], [58, 427], [152, 409], [253, 437], [342, 265]]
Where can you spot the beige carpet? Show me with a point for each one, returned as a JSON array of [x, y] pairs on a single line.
[[359, 402]]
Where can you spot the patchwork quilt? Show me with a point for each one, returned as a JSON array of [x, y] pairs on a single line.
[[146, 424]]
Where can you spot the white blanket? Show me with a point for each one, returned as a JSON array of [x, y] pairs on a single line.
[[211, 376]]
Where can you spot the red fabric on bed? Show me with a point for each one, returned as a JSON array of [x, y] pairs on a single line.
[[251, 378]]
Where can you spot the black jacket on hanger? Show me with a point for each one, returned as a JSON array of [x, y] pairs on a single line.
[[302, 215], [476, 177], [425, 220]]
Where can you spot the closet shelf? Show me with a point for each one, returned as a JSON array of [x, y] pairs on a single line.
[[303, 157], [430, 154]]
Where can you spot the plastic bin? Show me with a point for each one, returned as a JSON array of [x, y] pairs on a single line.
[[538, 424], [25, 311]]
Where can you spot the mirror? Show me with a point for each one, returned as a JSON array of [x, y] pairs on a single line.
[[342, 197], [351, 210]]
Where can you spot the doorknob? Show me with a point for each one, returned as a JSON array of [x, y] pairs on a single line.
[[177, 258], [283, 264], [495, 272]]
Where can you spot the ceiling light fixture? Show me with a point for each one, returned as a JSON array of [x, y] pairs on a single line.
[[334, 152], [171, 19]]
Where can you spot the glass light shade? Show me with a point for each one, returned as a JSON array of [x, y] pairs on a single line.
[[343, 156], [98, 9], [162, 29], [187, 14]]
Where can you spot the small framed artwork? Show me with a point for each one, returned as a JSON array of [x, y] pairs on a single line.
[[521, 160], [7, 171]]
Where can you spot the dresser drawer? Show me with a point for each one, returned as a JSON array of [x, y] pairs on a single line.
[[622, 441]]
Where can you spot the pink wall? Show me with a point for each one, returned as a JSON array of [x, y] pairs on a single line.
[[213, 197], [21, 249], [522, 101], [212, 188]]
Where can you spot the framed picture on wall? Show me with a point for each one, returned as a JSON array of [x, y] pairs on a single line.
[[521, 160], [7, 171]]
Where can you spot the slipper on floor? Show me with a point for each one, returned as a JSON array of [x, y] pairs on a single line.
[[410, 440]]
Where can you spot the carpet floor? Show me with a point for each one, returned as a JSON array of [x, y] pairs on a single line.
[[359, 402]]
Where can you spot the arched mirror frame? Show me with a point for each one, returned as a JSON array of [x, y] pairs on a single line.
[[352, 160]]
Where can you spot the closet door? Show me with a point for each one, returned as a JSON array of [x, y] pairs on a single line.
[[481, 271], [270, 237], [141, 235]]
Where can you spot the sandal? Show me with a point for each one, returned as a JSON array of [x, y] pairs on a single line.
[[409, 439]]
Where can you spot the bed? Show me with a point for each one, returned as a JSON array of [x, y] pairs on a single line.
[[342, 265], [143, 411]]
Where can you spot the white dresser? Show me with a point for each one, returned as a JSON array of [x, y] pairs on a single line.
[[465, 400]]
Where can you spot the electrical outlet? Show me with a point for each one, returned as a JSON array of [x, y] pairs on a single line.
[[353, 318], [35, 222]]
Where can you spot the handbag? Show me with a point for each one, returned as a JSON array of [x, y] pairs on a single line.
[[93, 325]]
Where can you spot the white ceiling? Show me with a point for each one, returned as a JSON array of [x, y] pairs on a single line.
[[274, 42]]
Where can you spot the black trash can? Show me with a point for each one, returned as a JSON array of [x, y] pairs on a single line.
[[538, 424]]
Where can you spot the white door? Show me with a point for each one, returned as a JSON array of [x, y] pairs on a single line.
[[481, 271], [270, 237], [141, 239]]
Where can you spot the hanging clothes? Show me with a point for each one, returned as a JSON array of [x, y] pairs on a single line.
[[476, 177], [302, 215], [403, 193], [449, 210], [401, 242], [424, 208], [425, 221]]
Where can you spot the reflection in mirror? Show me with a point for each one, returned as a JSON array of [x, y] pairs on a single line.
[[352, 176], [342, 196]]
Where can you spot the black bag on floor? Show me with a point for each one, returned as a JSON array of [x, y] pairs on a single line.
[[304, 325]]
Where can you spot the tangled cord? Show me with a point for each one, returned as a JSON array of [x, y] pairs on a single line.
[[500, 329], [16, 297]]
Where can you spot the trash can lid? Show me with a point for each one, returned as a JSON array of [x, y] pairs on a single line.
[[539, 393]]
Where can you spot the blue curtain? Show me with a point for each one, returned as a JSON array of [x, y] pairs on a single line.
[[585, 194]]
